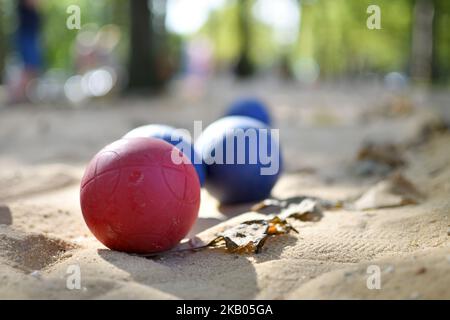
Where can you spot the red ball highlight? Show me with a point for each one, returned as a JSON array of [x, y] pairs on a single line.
[[134, 198]]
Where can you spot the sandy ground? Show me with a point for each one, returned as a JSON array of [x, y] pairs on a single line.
[[43, 151]]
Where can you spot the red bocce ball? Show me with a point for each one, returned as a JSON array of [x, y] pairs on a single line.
[[134, 198]]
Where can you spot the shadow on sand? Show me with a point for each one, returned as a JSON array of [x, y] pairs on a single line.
[[205, 274]]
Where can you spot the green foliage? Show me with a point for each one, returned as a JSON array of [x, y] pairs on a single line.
[[59, 41], [332, 32], [221, 29], [56, 38]]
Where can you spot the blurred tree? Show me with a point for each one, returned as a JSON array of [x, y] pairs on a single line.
[[119, 16], [422, 40], [140, 57], [221, 29], [5, 21], [148, 60], [333, 33], [164, 48], [333, 36], [2, 47], [244, 67], [440, 68], [57, 41]]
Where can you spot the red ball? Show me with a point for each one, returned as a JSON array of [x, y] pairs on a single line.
[[134, 198]]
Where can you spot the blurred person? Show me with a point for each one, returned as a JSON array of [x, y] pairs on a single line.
[[28, 46]]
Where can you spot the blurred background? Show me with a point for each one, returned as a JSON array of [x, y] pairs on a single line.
[[150, 46], [328, 80]]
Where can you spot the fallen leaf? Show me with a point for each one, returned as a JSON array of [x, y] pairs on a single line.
[[295, 205], [396, 106], [250, 236], [431, 126], [386, 153], [307, 210], [378, 159], [394, 191]]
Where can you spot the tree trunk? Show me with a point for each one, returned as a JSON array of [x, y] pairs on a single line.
[[441, 52], [422, 41], [244, 67], [141, 71], [162, 55], [2, 49]]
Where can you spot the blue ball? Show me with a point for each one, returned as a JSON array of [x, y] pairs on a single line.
[[250, 107], [243, 159], [168, 134]]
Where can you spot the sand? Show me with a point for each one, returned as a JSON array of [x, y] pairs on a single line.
[[42, 233]]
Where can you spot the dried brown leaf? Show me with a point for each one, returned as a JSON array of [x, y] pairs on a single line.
[[302, 208], [388, 154], [300, 204], [394, 191], [250, 236], [307, 210]]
